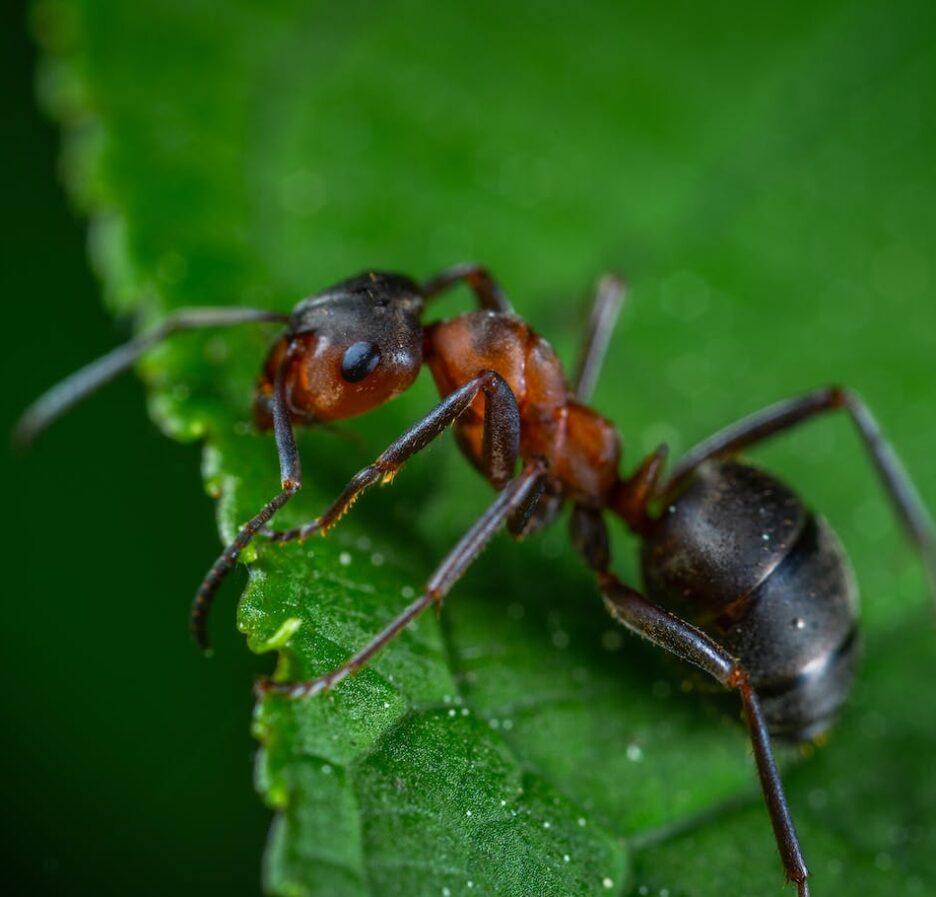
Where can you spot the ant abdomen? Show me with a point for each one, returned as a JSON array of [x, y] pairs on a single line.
[[739, 555]]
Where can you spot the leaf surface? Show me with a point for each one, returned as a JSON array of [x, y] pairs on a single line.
[[765, 180]]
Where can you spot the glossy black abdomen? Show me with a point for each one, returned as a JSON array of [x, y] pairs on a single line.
[[739, 555]]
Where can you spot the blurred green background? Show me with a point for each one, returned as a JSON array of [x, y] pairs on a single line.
[[766, 179], [129, 783]]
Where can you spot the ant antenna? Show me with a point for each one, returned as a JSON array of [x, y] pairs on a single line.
[[53, 403]]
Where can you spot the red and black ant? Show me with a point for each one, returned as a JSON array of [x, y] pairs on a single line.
[[741, 579]]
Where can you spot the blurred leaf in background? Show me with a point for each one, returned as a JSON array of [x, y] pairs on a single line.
[[765, 179]]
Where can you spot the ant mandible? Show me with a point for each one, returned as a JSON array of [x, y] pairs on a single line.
[[741, 579]]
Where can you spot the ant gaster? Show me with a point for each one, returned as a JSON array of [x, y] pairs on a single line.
[[741, 579]]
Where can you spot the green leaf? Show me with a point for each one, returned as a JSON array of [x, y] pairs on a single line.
[[767, 184]]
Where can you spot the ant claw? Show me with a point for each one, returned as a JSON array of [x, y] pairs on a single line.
[[262, 687]]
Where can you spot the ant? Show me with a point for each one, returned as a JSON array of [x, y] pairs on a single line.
[[741, 579]]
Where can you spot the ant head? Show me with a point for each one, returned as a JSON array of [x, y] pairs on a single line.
[[347, 349]]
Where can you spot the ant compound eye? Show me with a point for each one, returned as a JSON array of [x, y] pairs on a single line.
[[359, 360]]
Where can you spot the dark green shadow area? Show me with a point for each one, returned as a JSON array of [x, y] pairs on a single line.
[[127, 758]]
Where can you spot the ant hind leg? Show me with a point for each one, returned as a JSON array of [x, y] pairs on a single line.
[[685, 641], [787, 414], [666, 630]]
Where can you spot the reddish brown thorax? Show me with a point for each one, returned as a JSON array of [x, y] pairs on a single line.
[[581, 446], [384, 311]]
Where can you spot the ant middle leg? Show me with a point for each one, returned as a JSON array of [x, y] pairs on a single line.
[[501, 448], [787, 414], [685, 641], [519, 493], [541, 512], [609, 299]]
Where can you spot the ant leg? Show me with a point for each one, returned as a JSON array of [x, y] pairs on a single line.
[[631, 496], [477, 277], [291, 481], [541, 511], [612, 291], [516, 494], [53, 403], [685, 641], [500, 449], [787, 414], [589, 536]]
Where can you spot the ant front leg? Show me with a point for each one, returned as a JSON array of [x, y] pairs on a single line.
[[478, 278], [500, 448], [518, 494], [787, 414], [291, 480], [685, 641]]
